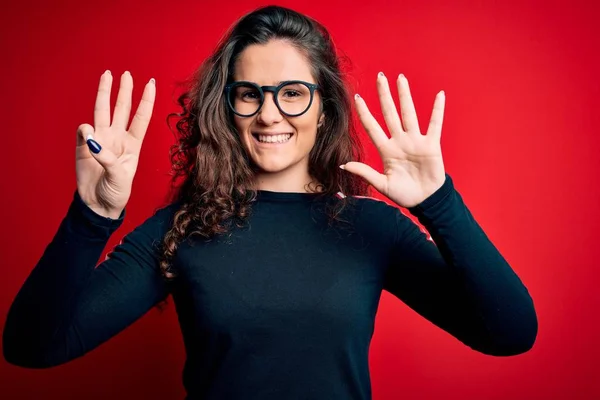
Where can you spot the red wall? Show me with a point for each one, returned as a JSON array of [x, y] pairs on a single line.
[[520, 139]]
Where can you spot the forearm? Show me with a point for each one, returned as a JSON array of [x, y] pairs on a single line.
[[498, 301], [44, 305]]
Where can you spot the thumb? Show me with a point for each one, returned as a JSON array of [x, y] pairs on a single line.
[[105, 157], [376, 179]]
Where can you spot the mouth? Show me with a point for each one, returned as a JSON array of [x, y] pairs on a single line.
[[271, 140]]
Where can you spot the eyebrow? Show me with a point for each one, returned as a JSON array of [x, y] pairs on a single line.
[[276, 84]]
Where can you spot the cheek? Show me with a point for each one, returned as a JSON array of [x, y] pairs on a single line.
[[242, 125], [308, 128], [239, 123], [309, 134]]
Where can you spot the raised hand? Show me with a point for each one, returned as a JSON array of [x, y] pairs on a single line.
[[413, 168], [107, 154]]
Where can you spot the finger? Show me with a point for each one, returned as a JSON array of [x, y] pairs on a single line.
[[375, 179], [370, 124], [123, 105], [105, 157], [141, 119], [437, 115], [390, 114], [102, 107], [83, 131], [407, 107]]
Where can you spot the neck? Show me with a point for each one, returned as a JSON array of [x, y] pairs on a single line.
[[289, 180]]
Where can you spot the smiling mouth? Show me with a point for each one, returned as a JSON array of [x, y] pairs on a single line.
[[273, 139]]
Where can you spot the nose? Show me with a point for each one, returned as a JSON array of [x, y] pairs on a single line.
[[269, 113]]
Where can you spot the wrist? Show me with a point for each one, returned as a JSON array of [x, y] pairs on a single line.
[[106, 213]]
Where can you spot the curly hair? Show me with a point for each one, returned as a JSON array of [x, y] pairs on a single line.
[[212, 175]]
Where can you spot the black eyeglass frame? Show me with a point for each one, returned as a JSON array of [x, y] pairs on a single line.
[[273, 89]]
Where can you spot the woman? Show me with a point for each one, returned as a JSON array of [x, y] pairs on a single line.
[[273, 254]]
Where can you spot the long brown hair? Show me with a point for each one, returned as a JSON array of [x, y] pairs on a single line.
[[212, 175]]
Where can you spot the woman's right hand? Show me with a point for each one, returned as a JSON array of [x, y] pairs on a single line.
[[105, 177]]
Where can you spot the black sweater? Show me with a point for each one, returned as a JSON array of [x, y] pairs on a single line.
[[282, 308]]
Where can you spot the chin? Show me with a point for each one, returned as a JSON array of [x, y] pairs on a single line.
[[271, 166]]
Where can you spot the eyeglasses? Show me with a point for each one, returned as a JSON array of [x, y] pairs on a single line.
[[292, 98]]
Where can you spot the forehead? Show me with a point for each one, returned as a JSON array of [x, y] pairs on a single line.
[[271, 63]]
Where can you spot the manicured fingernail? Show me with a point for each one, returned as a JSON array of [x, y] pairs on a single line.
[[342, 166], [381, 75], [93, 145], [152, 81], [357, 96]]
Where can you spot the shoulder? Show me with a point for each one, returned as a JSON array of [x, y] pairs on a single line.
[[159, 222], [369, 206], [380, 217], [372, 216]]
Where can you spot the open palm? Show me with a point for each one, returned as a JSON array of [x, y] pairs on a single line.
[[413, 167], [104, 179]]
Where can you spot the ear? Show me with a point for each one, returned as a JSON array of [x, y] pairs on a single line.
[[321, 120]]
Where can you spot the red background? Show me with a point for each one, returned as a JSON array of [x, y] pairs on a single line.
[[520, 139]]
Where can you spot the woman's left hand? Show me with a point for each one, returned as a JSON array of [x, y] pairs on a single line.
[[412, 162]]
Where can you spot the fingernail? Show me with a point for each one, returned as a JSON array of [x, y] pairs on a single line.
[[402, 76], [152, 81], [93, 145], [342, 166], [381, 75], [107, 72], [357, 96]]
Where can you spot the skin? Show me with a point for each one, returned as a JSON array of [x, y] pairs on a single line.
[[281, 168]]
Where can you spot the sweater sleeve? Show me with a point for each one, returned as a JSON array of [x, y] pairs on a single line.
[[69, 305], [457, 279]]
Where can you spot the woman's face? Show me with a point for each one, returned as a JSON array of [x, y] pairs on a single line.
[[268, 65]]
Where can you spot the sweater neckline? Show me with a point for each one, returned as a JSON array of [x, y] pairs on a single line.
[[295, 197]]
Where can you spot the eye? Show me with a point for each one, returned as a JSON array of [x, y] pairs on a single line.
[[250, 95], [291, 93], [246, 93]]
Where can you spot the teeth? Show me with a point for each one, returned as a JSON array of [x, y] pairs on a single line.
[[275, 138]]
